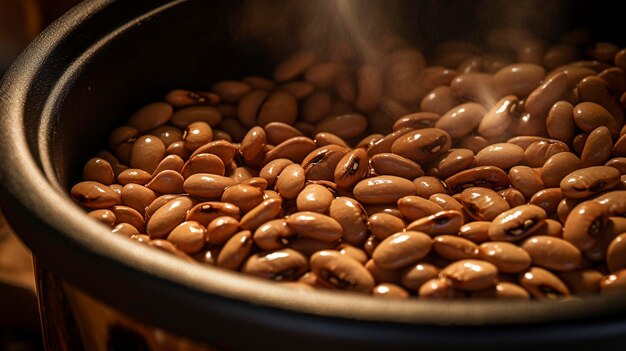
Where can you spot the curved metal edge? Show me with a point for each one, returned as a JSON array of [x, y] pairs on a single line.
[[62, 216]]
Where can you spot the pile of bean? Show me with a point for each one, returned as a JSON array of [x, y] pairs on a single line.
[[483, 175]]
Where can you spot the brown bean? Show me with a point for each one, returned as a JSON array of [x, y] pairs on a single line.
[[125, 229], [272, 169], [209, 186], [147, 152], [245, 197], [470, 274], [94, 195], [178, 148], [454, 248], [220, 229], [299, 89], [597, 148], [475, 231], [427, 186], [203, 163], [401, 249], [285, 264], [552, 253], [390, 291], [526, 180], [513, 196], [499, 117], [485, 176], [345, 126], [516, 223], [616, 253], [414, 276], [483, 204], [383, 225], [546, 95], [294, 149], [614, 79], [440, 100], [589, 116], [137, 197], [170, 162], [230, 90], [265, 211], [168, 216], [205, 212], [474, 86], [321, 163], [341, 272], [582, 281], [351, 168], [273, 235], [189, 237], [548, 199], [542, 284], [290, 181], [354, 252], [438, 288], [385, 143], [558, 167], [184, 98], [106, 217], [352, 218], [236, 250], [560, 122], [594, 89], [518, 79], [462, 120], [501, 155], [185, 116], [442, 222], [417, 120], [293, 66], [166, 182], [158, 203], [383, 189], [615, 200], [326, 138], [509, 258], [614, 283], [98, 170], [422, 145], [151, 116], [537, 153], [315, 226], [452, 162], [392, 164], [415, 207], [588, 181], [316, 107]]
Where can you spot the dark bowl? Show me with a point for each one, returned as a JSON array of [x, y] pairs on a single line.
[[87, 72]]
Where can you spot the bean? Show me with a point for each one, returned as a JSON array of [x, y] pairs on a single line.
[[285, 264], [385, 143], [582, 281], [94, 195], [245, 197], [526, 180], [402, 249], [552, 253], [558, 167], [415, 207], [382, 225], [616, 253], [171, 162], [589, 116], [189, 237], [422, 145], [483, 204], [546, 95], [537, 153], [427, 186], [518, 79], [383, 189], [315, 226], [509, 258], [294, 149], [501, 155], [185, 116], [452, 162], [220, 229], [321, 163], [516, 223], [106, 217], [614, 283], [98, 170], [513, 196], [395, 165], [165, 182], [542, 284], [316, 107], [352, 218], [442, 222], [265, 211], [221, 148], [345, 126], [438, 288], [209, 186], [588, 181], [497, 120], [475, 231], [417, 120], [235, 251], [314, 198], [137, 197], [414, 276], [203, 163], [485, 176], [470, 274], [548, 199], [125, 229], [597, 148], [272, 169], [585, 223], [354, 252], [341, 272], [183, 98], [461, 120], [454, 248], [206, 212], [230, 90], [560, 122], [168, 216]]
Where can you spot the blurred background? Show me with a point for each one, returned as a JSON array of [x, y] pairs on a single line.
[[20, 22]]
